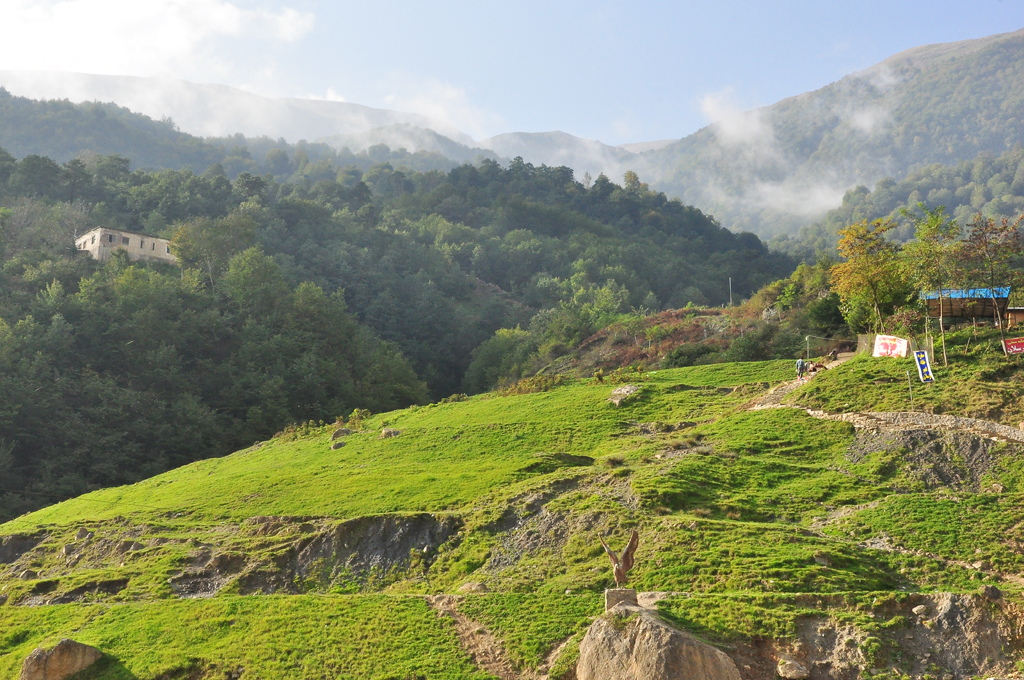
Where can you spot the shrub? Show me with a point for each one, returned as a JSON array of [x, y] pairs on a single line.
[[687, 355]]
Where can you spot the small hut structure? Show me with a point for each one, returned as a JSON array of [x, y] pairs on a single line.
[[968, 303]]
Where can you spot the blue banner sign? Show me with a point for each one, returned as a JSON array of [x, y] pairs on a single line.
[[924, 369]]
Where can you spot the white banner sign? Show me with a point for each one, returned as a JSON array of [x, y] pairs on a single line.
[[890, 346]]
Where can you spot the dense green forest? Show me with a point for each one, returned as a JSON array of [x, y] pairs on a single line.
[[989, 185], [305, 299]]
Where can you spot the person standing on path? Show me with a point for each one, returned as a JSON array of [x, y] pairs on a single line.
[[801, 367]]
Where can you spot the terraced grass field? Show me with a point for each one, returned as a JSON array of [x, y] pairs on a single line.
[[293, 560]]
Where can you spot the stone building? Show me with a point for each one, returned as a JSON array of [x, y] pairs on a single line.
[[101, 242]]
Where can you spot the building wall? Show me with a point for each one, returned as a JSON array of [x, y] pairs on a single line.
[[102, 242]]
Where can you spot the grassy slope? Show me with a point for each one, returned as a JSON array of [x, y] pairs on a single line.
[[727, 508], [448, 455], [979, 382]]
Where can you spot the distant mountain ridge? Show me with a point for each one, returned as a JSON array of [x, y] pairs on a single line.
[[770, 170], [218, 110]]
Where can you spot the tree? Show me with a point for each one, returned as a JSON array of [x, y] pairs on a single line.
[[988, 257], [872, 274], [76, 178], [7, 165], [36, 176], [631, 182], [933, 255], [209, 244]]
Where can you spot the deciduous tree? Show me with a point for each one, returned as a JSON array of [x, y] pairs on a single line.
[[872, 274], [988, 257]]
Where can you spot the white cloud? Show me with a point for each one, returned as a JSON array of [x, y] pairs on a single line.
[[868, 119], [734, 126], [135, 37], [443, 101], [331, 95]]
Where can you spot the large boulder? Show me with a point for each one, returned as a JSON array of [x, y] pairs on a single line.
[[630, 643], [63, 661]]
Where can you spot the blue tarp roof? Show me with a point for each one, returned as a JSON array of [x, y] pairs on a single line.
[[968, 294]]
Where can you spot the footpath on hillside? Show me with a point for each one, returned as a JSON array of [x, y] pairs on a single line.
[[877, 421]]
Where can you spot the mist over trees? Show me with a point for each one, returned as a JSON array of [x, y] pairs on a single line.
[[989, 185]]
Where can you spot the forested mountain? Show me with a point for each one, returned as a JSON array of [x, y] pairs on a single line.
[[61, 130], [773, 169], [990, 185], [218, 110], [769, 171], [306, 298]]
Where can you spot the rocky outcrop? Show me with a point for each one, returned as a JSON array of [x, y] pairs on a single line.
[[63, 661], [350, 551], [14, 546], [630, 643], [623, 393], [964, 635]]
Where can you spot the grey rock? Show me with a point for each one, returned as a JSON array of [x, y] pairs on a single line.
[[340, 432], [640, 646], [614, 596], [388, 432], [621, 394], [473, 588], [992, 593], [791, 670], [337, 445], [63, 661], [920, 610]]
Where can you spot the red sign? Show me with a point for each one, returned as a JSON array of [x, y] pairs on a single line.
[[1015, 346]]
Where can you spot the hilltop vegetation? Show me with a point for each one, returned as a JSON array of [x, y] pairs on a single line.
[[303, 300], [63, 131]]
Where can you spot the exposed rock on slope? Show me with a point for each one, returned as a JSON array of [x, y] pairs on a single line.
[[63, 661], [630, 643]]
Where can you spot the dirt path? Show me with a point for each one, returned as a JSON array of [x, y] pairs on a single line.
[[486, 650], [890, 421]]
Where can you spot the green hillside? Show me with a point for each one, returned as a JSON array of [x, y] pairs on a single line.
[[62, 130], [290, 558], [774, 169], [989, 185], [303, 296]]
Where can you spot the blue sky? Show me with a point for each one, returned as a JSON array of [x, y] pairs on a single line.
[[613, 71]]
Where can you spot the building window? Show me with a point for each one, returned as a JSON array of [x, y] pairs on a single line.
[[110, 238], [94, 238], [125, 240], [152, 246], [142, 243], [168, 250]]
